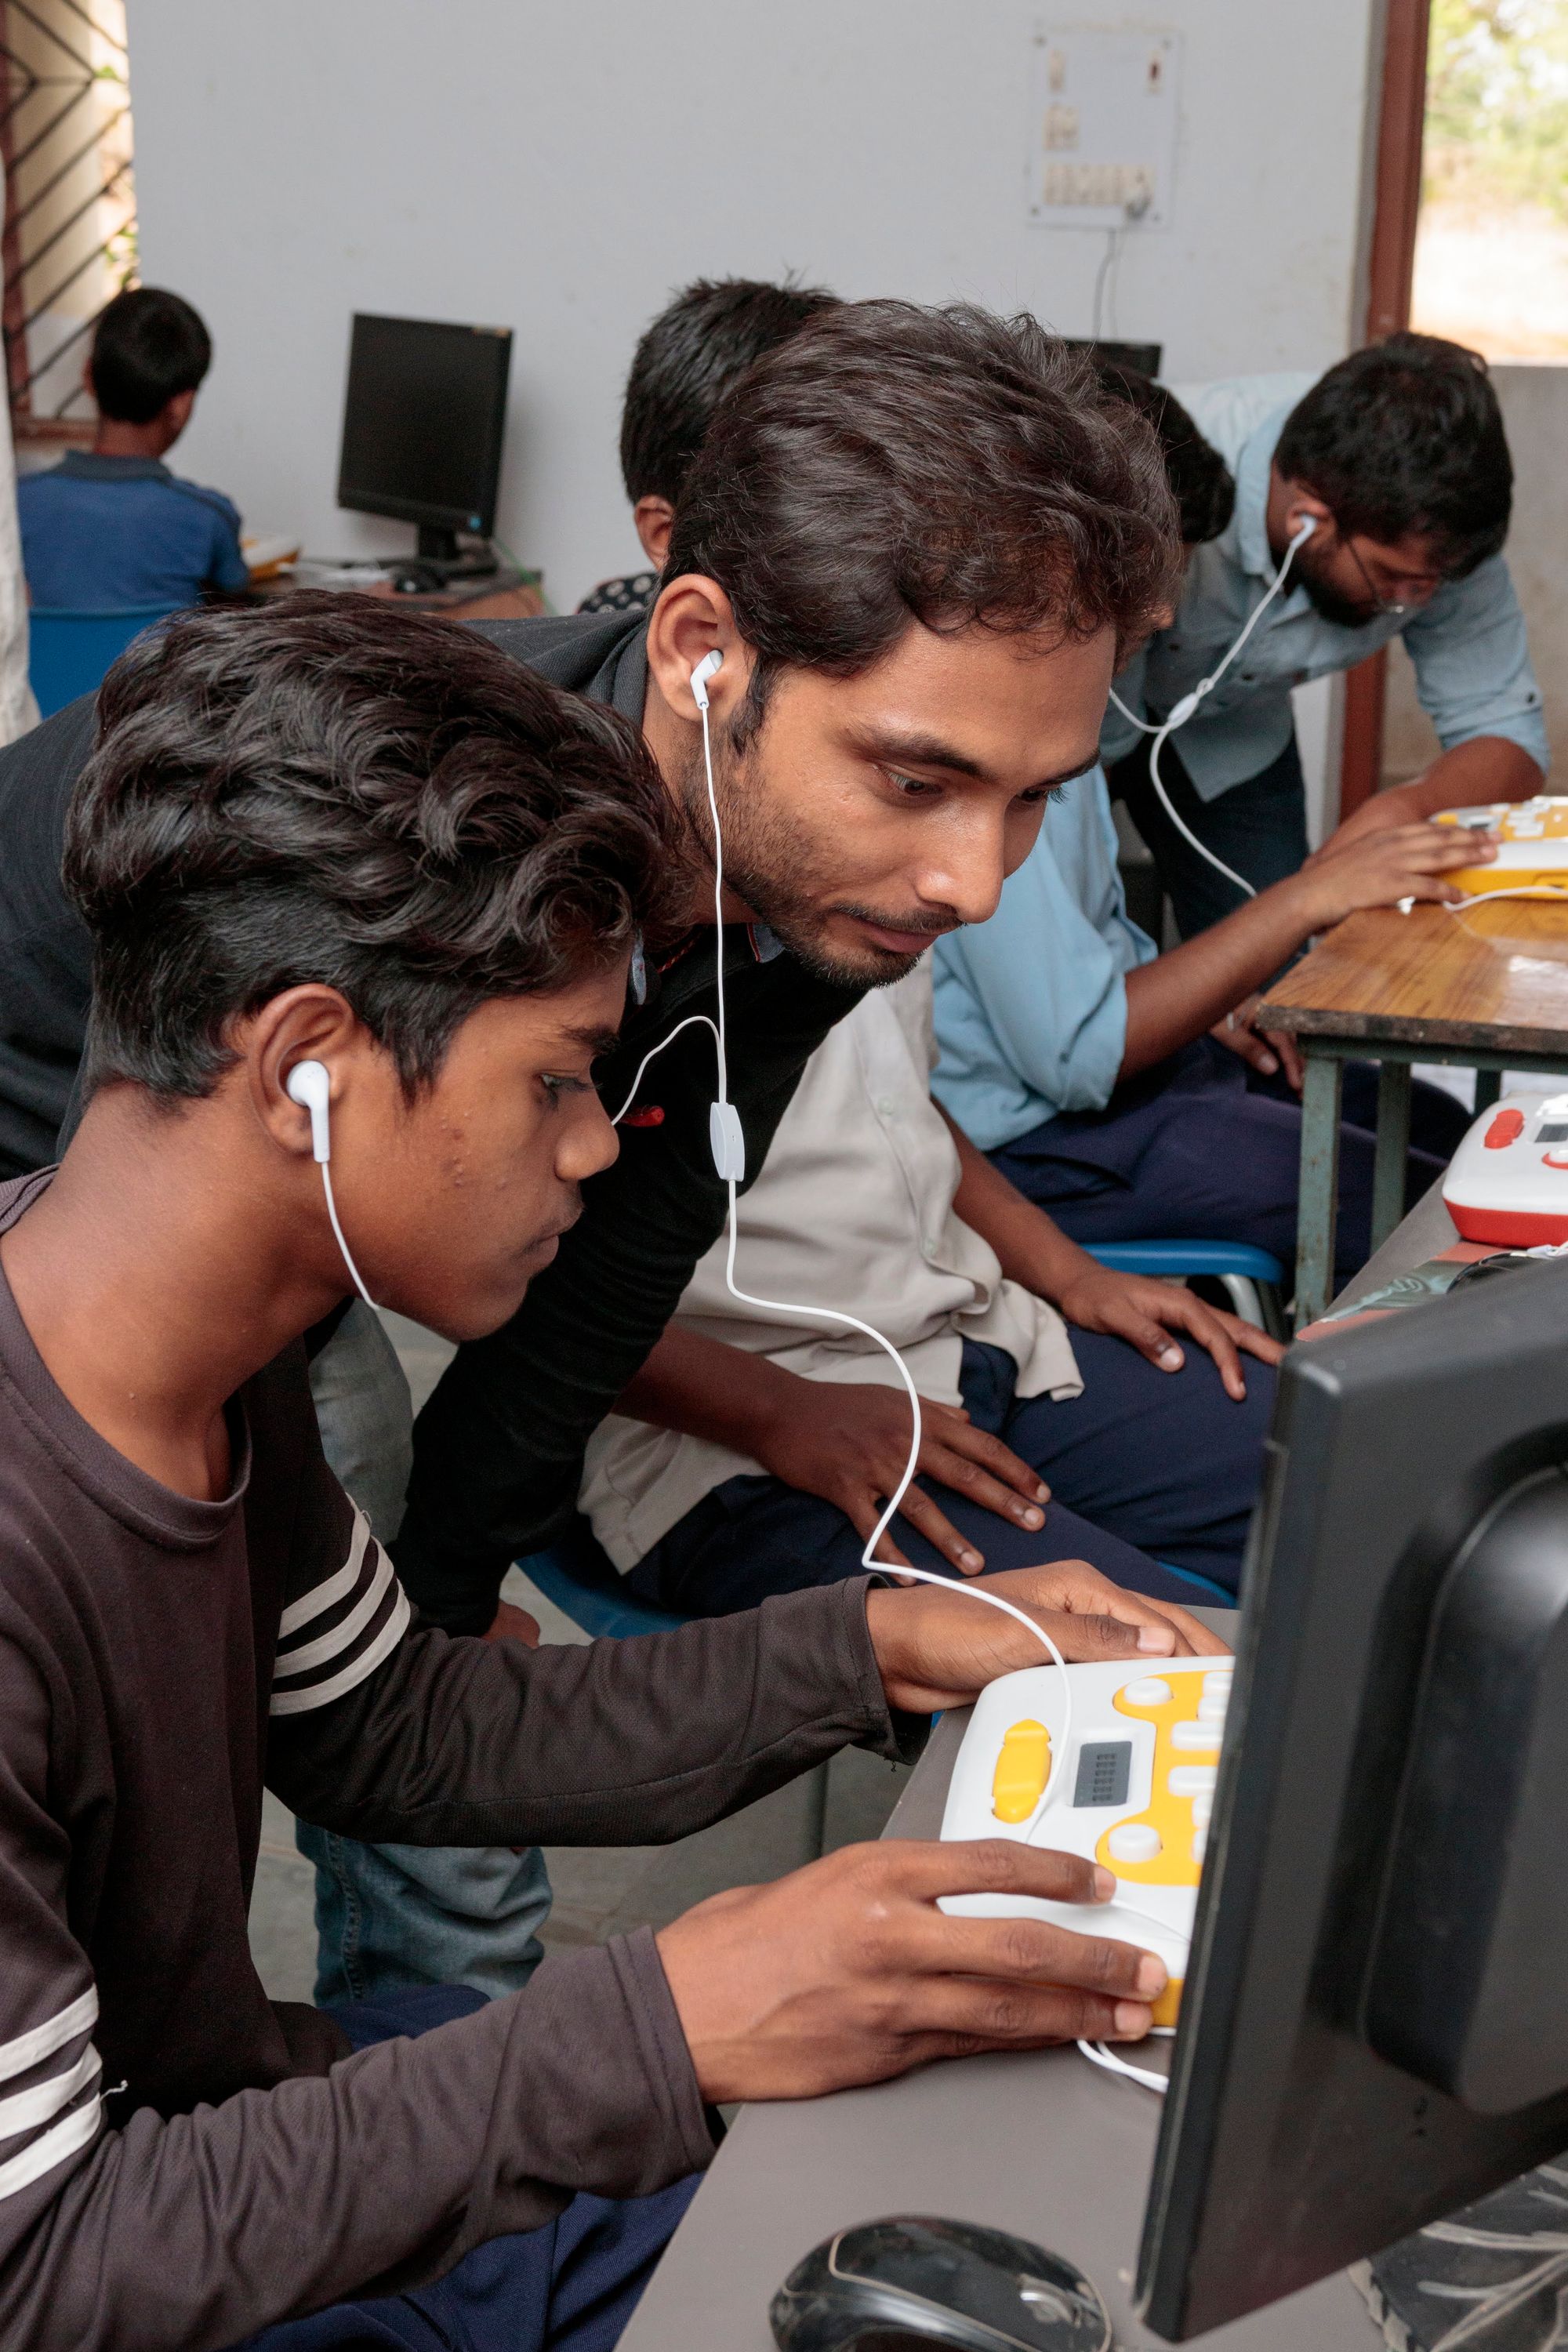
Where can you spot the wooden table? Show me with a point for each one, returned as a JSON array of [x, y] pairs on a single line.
[[1487, 989]]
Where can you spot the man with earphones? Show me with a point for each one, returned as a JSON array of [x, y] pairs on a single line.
[[921, 541], [1371, 503], [1125, 1091]]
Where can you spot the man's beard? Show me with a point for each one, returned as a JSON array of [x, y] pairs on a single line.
[[1343, 612], [780, 870]]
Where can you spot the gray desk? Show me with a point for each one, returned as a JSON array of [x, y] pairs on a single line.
[[1040, 2143]]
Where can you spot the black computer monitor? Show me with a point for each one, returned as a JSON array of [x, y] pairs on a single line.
[[1374, 2023], [424, 420]]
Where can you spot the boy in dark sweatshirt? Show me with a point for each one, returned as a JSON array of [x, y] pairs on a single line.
[[370, 844]]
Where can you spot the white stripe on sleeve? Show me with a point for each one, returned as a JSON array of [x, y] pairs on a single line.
[[51, 2149], [327, 1645], [336, 1588], [25, 2110], [41, 2041], [301, 1702]]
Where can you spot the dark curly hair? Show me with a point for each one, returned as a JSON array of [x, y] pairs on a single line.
[[890, 464], [1201, 482], [334, 790], [1407, 437]]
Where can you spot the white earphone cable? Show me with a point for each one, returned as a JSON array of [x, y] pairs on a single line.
[[1161, 731], [337, 1229], [1098, 2054], [692, 1020], [851, 1322]]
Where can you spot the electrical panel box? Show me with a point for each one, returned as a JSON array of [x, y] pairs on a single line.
[[1102, 128]]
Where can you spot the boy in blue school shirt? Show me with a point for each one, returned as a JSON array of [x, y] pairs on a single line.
[[112, 527]]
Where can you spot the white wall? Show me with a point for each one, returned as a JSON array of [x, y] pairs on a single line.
[[558, 169]]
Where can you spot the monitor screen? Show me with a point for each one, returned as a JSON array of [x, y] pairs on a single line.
[[423, 421], [1374, 2028]]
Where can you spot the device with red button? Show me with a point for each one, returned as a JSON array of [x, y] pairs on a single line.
[[1508, 1179], [1128, 1780]]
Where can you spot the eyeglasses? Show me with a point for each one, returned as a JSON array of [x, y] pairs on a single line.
[[1417, 585]]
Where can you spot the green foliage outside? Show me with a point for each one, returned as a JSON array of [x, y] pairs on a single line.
[[1496, 104]]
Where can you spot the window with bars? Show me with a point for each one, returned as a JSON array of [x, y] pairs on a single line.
[[69, 243]]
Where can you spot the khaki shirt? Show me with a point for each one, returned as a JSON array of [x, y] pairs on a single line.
[[853, 1210]]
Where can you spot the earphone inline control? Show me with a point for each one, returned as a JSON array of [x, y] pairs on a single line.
[[1165, 728]]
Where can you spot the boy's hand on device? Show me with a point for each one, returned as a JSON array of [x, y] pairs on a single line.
[[849, 1444], [1378, 869], [937, 1649], [847, 1972], [1144, 1312]]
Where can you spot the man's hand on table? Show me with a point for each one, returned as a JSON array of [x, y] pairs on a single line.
[[1358, 867], [939, 1648]]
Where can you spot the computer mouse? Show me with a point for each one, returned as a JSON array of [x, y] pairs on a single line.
[[918, 2279]]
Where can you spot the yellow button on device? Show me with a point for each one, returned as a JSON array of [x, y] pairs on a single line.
[[1023, 1768]]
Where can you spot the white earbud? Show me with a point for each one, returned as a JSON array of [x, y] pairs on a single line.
[[708, 666], [1304, 529], [309, 1085]]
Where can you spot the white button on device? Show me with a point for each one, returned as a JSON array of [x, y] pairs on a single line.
[[1203, 1808], [1133, 1842], [1212, 1710], [1192, 1779], [1195, 1735], [1217, 1684], [1150, 1693], [1200, 1844]]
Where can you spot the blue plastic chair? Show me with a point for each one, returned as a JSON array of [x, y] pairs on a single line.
[[1253, 1279], [69, 652], [579, 1579]]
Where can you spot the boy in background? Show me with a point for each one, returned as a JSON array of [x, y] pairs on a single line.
[[699, 344], [110, 526]]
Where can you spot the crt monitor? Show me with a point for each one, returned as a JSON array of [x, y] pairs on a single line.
[[1374, 2025], [424, 419]]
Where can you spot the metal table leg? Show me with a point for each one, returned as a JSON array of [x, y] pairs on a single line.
[[1317, 1211], [1389, 1166]]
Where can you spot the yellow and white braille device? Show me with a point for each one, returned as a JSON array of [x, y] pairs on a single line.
[[1138, 1759], [1533, 847]]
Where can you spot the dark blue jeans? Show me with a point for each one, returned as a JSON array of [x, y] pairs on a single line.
[[1259, 829], [1144, 1468], [1202, 1150], [569, 2286]]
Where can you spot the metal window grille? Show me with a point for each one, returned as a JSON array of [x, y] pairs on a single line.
[[69, 243]]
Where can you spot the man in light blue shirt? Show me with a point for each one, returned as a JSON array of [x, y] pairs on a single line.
[[1082, 1061], [1399, 458], [110, 527]]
